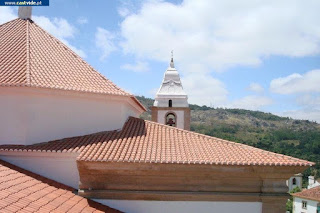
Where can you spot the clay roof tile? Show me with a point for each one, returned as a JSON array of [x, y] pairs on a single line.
[[24, 191], [31, 57], [150, 142]]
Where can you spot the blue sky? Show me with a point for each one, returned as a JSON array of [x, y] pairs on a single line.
[[259, 55]]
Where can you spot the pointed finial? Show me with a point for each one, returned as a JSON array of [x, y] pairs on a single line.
[[171, 63], [24, 12]]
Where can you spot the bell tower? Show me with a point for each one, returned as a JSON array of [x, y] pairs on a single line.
[[171, 102]]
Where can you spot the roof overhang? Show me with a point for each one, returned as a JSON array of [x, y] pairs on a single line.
[[306, 197]]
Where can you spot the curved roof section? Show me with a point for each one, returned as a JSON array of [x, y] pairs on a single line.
[[31, 57], [142, 141]]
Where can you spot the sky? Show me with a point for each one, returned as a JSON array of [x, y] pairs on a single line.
[[249, 54]]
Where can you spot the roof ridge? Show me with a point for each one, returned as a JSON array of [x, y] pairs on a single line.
[[78, 57], [41, 60], [28, 73]]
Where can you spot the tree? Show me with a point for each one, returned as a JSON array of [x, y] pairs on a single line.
[[289, 205]]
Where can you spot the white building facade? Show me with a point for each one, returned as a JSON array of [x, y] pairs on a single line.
[[304, 205], [308, 200]]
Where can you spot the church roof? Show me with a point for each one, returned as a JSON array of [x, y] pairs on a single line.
[[143, 141], [24, 191], [31, 57], [311, 194]]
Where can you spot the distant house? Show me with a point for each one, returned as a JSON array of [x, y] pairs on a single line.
[[313, 182], [307, 201], [295, 181]]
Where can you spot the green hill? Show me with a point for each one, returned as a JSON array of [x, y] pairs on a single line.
[[297, 138]]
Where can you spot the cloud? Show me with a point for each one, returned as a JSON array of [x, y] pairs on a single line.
[[306, 90], [82, 20], [128, 7], [297, 83], [153, 92], [104, 41], [138, 67], [251, 102], [204, 90], [61, 29], [255, 87], [222, 34], [310, 100], [123, 11], [58, 27], [7, 14], [303, 114]]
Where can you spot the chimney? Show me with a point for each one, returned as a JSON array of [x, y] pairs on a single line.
[[25, 12]]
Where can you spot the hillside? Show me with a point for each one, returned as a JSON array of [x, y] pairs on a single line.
[[298, 138]]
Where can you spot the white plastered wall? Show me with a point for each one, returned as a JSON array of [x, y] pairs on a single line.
[[177, 101], [61, 167], [179, 117], [133, 206], [38, 115], [297, 205]]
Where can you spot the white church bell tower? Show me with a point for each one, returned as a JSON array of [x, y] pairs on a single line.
[[171, 102]]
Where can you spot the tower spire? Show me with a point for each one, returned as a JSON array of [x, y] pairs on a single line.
[[171, 62]]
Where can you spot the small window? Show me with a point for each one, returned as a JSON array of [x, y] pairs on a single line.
[[294, 181], [171, 119], [170, 103], [304, 204]]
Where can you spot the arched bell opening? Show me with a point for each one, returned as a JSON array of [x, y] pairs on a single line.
[[171, 119]]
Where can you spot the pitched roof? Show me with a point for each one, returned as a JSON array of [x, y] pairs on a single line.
[[24, 191], [311, 194], [31, 57], [150, 142]]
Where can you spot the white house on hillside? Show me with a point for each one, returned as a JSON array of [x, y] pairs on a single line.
[[312, 182], [307, 201]]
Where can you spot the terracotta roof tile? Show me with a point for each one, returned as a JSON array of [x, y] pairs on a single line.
[[29, 56], [23, 191], [311, 194], [150, 142]]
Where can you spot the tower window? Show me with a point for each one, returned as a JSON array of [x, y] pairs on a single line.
[[170, 103], [294, 181], [171, 119]]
